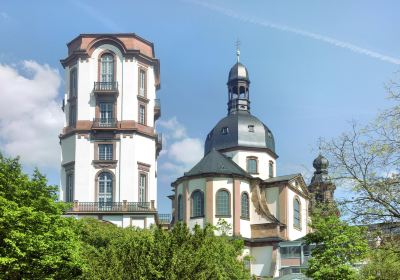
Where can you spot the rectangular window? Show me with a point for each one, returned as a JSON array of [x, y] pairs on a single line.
[[69, 189], [106, 114], [105, 151], [73, 83], [290, 252], [142, 187], [142, 83], [252, 165], [72, 115], [142, 114]]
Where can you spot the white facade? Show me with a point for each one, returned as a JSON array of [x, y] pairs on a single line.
[[109, 143]]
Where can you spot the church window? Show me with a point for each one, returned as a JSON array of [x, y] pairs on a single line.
[[69, 192], [142, 187], [251, 128], [142, 82], [197, 202], [271, 169], [225, 130], [296, 213], [223, 203], [105, 151], [252, 165], [142, 114], [107, 71], [105, 190], [73, 83], [245, 212], [180, 208]]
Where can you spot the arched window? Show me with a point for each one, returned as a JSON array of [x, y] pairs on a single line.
[[105, 190], [197, 202], [223, 203], [107, 70], [245, 212], [296, 213], [271, 169], [180, 208], [252, 165]]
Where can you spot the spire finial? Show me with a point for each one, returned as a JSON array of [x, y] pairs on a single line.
[[237, 50]]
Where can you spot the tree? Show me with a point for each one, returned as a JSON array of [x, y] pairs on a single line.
[[36, 242], [338, 247], [131, 253], [367, 159]]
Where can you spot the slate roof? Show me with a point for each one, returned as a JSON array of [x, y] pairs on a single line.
[[282, 178], [216, 163]]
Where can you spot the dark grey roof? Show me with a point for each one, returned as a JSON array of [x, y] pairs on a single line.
[[238, 133], [282, 178], [238, 72], [216, 163]]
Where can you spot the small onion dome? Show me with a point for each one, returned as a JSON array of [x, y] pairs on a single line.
[[238, 72], [320, 163]]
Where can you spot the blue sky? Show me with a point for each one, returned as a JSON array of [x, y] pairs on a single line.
[[314, 67]]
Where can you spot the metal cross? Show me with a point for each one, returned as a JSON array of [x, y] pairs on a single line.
[[237, 49]]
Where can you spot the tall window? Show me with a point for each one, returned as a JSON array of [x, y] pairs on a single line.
[[252, 165], [142, 114], [197, 200], [245, 212], [271, 169], [105, 190], [142, 187], [106, 114], [180, 208], [105, 151], [107, 70], [223, 205], [296, 213], [72, 114], [142, 82], [69, 190], [73, 83]]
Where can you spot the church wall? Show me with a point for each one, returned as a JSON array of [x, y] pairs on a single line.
[[294, 233], [195, 184], [84, 171], [262, 258], [245, 229], [272, 197]]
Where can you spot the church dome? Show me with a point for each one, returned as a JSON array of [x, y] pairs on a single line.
[[240, 130], [238, 72], [320, 163]]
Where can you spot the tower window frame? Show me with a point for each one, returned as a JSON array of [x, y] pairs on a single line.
[[142, 187], [73, 83], [105, 189], [142, 113], [69, 186], [105, 151], [142, 82], [107, 69], [252, 165]]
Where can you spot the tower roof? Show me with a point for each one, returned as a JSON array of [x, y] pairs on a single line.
[[238, 72]]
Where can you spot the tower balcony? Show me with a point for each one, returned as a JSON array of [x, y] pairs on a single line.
[[158, 143], [111, 207], [104, 123], [157, 109], [105, 88]]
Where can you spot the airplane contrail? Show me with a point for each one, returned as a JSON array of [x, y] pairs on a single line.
[[304, 33]]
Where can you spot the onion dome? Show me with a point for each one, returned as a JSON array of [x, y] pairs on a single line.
[[321, 163], [321, 170], [238, 72]]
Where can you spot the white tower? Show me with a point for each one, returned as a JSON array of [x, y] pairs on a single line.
[[109, 143]]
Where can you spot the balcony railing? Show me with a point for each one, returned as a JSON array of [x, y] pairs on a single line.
[[88, 207], [104, 123], [164, 218], [105, 86]]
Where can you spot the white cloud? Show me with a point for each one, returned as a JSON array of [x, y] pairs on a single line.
[[174, 129], [304, 33], [187, 151], [30, 116]]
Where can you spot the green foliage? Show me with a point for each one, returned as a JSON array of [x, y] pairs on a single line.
[[339, 246], [115, 253], [36, 242], [383, 263]]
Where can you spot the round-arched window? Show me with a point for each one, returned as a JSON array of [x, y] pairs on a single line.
[[222, 203]]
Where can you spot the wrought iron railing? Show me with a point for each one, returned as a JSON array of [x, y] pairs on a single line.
[[164, 218], [112, 207], [105, 86], [104, 122]]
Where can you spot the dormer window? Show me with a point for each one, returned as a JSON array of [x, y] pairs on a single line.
[[251, 128], [225, 130]]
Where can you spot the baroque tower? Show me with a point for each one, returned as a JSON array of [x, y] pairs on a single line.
[[109, 144]]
